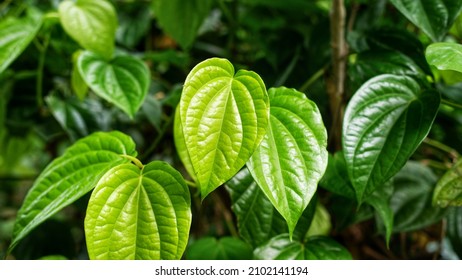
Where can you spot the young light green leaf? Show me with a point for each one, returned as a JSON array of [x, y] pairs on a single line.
[[180, 145], [292, 157], [434, 17], [316, 248], [139, 213], [385, 122], [380, 200], [69, 177], [15, 36], [226, 248], [78, 84], [91, 23], [448, 191], [445, 56], [224, 118], [124, 80], [181, 19]]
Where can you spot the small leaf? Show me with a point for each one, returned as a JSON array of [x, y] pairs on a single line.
[[448, 191], [91, 23], [180, 145], [16, 34], [78, 84], [69, 177], [181, 19], [316, 248], [321, 224], [454, 229], [434, 17], [445, 56], [224, 118], [385, 122], [336, 179], [141, 214], [226, 248], [123, 81], [292, 157]]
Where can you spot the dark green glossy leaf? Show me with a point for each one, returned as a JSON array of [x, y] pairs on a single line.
[[91, 23], [316, 248], [445, 56], [336, 179], [181, 19], [123, 81], [133, 24], [385, 122], [139, 213], [224, 117], [16, 34], [225, 248], [292, 157], [434, 17], [448, 191], [454, 229], [69, 177]]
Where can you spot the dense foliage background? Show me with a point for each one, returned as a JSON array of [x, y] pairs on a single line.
[[44, 109]]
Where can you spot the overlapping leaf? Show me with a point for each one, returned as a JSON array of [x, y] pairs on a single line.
[[448, 191], [292, 157], [91, 23], [71, 176], [139, 213], [124, 80], [385, 122], [445, 56], [15, 36], [226, 248], [224, 118]]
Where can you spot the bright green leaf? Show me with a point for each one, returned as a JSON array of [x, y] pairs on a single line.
[[123, 81], [224, 118], [69, 177], [226, 248], [434, 17], [445, 56], [91, 23], [448, 191], [385, 122], [15, 35], [181, 19], [134, 23], [78, 84], [292, 157], [316, 248], [180, 145], [142, 214]]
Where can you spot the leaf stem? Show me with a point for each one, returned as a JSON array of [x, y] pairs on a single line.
[[450, 103], [445, 148], [136, 161], [313, 79], [190, 183], [435, 164]]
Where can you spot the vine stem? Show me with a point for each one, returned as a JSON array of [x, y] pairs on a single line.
[[450, 103], [313, 79], [191, 183], [136, 161]]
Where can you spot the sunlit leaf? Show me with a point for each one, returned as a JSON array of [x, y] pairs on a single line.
[[448, 191]]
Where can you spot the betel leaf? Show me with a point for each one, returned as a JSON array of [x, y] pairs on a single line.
[[257, 219], [315, 248], [139, 213], [445, 56], [434, 17], [78, 84], [225, 248], [448, 191], [91, 23], [336, 179], [15, 36], [454, 229], [71, 176], [123, 81], [380, 200], [181, 19], [224, 118], [385, 122], [292, 157], [180, 145]]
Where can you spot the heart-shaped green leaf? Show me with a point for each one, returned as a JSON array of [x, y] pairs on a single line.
[[226, 248], [91, 23], [15, 36], [448, 191], [71, 176], [434, 17], [385, 122], [139, 213], [445, 56], [123, 81], [316, 248], [292, 157], [336, 179], [224, 118]]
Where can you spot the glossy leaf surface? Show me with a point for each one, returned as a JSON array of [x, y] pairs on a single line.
[[434, 17], [180, 145], [292, 157], [225, 248], [91, 23], [138, 213], [71, 176], [123, 81], [445, 56], [448, 191], [385, 122], [224, 118], [15, 35], [316, 248]]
